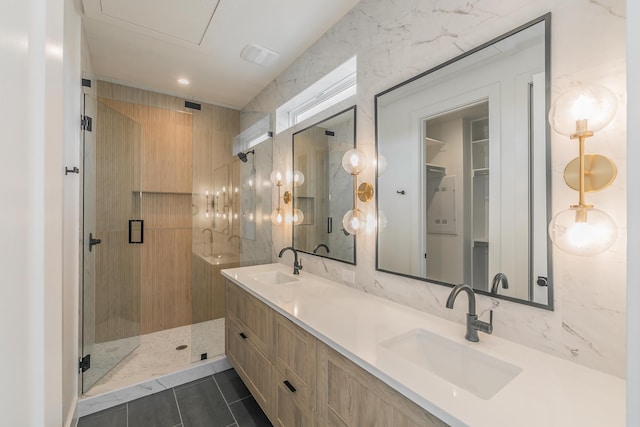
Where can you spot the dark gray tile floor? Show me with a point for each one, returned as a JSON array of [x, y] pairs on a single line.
[[221, 400]]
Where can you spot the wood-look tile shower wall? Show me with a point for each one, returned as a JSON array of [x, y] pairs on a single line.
[[180, 148]]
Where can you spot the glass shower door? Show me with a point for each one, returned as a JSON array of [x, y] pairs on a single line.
[[112, 234]]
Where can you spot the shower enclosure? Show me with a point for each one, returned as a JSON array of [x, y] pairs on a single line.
[[166, 207]]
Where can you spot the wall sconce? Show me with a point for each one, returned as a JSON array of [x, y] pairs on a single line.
[[278, 215], [578, 113], [354, 162]]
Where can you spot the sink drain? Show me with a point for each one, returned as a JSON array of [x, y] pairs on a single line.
[[182, 347]]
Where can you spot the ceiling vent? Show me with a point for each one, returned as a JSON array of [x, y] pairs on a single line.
[[259, 55]]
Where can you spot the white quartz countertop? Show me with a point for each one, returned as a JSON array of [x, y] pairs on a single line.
[[550, 391]]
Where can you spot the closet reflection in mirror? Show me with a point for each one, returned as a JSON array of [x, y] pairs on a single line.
[[327, 191], [464, 191]]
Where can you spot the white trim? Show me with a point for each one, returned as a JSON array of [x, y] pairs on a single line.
[[330, 90], [253, 135]]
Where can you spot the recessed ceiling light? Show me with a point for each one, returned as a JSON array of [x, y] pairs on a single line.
[[183, 81]]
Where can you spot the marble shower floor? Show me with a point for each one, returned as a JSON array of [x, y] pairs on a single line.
[[157, 355]]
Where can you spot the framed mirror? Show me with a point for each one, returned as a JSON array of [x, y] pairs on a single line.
[[464, 196], [326, 193]]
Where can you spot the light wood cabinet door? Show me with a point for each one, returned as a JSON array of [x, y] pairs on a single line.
[[295, 374], [251, 365], [291, 407], [348, 396], [254, 315]]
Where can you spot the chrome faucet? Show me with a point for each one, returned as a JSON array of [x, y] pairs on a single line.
[[210, 241], [297, 266], [500, 277], [321, 245], [473, 324]]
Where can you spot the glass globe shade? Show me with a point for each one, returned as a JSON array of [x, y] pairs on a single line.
[[298, 217], [583, 231], [354, 161], [295, 218], [276, 177], [354, 221], [298, 178], [277, 217], [593, 103]]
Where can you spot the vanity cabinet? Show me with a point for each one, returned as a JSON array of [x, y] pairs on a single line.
[[252, 366], [249, 341], [349, 396], [294, 374], [255, 316], [275, 358], [300, 381]]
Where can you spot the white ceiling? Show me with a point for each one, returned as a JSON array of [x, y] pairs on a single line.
[[151, 43]]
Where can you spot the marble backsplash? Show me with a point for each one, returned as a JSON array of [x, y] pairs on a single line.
[[396, 40]]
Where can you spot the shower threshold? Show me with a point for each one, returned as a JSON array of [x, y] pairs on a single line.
[[161, 362]]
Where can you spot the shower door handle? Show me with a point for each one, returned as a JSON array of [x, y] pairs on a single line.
[[136, 231], [93, 242]]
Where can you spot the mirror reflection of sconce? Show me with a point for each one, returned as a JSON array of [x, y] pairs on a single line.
[[578, 113], [298, 216], [221, 206], [235, 202], [354, 162], [206, 213], [278, 216]]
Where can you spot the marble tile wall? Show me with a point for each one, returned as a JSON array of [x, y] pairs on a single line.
[[396, 40]]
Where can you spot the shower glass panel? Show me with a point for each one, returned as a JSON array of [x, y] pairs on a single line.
[[214, 244], [111, 255], [231, 208]]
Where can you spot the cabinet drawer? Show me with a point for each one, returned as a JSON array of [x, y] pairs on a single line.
[[292, 406], [255, 316], [295, 357], [254, 369]]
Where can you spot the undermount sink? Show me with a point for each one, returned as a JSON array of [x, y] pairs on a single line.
[[461, 365], [274, 278]]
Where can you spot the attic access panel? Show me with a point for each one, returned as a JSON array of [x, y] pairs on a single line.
[[186, 20]]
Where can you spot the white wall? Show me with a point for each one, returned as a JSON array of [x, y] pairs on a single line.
[[633, 197], [397, 40], [71, 213], [33, 118]]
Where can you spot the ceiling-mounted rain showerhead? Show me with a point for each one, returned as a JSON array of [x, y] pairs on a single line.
[[243, 156]]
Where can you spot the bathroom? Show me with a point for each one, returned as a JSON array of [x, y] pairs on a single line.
[[395, 43]]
